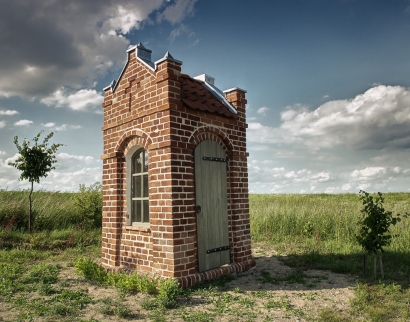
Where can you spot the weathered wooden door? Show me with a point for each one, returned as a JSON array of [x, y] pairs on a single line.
[[211, 205]]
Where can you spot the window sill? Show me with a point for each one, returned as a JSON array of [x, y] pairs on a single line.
[[146, 229]]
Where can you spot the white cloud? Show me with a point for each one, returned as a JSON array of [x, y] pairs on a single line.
[[128, 17], [8, 175], [8, 112], [65, 127], [65, 157], [369, 173], [82, 100], [262, 110], [70, 172], [2, 152], [2, 124], [266, 178], [23, 123], [178, 12], [62, 127], [377, 119]]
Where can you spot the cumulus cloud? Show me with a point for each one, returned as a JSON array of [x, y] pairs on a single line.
[[70, 172], [82, 100], [8, 175], [266, 177], [262, 110], [65, 127], [23, 123], [45, 45], [2, 124], [65, 157], [263, 134], [375, 178], [377, 119], [178, 11], [8, 112], [62, 127]]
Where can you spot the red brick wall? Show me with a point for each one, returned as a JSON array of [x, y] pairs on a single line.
[[145, 109]]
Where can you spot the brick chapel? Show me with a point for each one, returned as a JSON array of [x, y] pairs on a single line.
[[175, 180]]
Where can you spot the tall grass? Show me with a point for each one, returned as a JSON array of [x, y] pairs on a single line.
[[52, 210], [321, 220]]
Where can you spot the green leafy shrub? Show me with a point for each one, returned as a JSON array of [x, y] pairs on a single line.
[[88, 203], [91, 270], [373, 228], [168, 292]]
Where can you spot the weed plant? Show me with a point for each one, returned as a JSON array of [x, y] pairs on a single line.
[[167, 291]]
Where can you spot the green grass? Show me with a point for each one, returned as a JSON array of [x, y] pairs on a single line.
[[52, 210], [318, 231], [314, 231]]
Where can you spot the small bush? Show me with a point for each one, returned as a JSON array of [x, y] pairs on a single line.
[[91, 270], [88, 203], [373, 228], [168, 292]]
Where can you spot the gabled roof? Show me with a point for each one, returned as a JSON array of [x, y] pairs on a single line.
[[205, 97]]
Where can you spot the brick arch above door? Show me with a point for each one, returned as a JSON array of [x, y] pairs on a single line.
[[213, 134]]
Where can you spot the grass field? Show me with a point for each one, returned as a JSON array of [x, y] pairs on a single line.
[[320, 229], [38, 279]]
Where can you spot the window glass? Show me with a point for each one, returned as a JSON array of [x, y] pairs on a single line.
[[137, 163], [139, 188], [145, 161], [145, 186], [136, 186], [146, 211]]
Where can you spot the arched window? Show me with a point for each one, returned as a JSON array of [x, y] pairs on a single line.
[[139, 188]]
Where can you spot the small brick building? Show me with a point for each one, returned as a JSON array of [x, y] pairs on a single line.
[[175, 180]]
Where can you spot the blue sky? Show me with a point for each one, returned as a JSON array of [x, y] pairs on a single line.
[[328, 82]]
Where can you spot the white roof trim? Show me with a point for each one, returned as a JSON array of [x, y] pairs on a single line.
[[152, 65], [234, 89]]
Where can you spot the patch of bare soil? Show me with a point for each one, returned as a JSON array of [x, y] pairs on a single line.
[[289, 293], [271, 291]]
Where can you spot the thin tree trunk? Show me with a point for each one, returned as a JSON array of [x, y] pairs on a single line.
[[31, 207], [381, 266], [375, 267], [364, 265]]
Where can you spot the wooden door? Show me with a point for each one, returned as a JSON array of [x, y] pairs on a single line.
[[211, 205]]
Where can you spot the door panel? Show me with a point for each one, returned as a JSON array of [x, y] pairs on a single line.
[[211, 196]]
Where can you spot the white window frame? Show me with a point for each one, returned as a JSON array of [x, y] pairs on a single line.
[[129, 173]]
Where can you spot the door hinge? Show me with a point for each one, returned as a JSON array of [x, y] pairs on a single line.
[[217, 249], [214, 159]]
